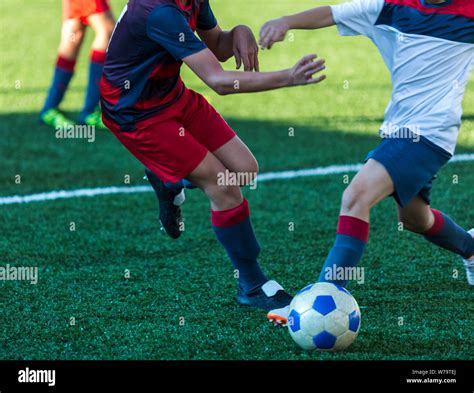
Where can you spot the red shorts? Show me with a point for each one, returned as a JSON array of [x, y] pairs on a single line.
[[173, 143], [82, 9]]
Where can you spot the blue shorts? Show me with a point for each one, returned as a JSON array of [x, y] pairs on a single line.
[[412, 164]]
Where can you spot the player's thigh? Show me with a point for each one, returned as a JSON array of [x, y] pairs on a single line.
[[371, 185], [237, 158], [416, 216], [72, 36], [102, 23]]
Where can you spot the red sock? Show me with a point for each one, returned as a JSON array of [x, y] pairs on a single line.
[[98, 56]]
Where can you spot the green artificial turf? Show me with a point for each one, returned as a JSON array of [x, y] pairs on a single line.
[[178, 302]]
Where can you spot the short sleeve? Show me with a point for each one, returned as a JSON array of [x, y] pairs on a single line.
[[357, 17], [206, 19], [167, 26]]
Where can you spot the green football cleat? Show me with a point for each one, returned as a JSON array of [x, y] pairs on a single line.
[[95, 120], [55, 118]]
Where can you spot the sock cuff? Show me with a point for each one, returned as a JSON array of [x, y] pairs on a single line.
[[355, 227], [65, 64], [438, 224], [98, 56], [231, 217]]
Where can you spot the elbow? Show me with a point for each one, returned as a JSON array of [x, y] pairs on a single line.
[[218, 85]]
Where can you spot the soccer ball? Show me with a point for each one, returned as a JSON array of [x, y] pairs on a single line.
[[324, 317]]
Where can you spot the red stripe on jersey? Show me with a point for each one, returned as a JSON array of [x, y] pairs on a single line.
[[166, 70], [457, 7], [154, 102], [109, 92]]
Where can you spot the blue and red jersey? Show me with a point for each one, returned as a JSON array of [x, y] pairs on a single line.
[[142, 70]]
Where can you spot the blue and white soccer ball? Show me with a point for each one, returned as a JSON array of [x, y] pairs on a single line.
[[324, 317]]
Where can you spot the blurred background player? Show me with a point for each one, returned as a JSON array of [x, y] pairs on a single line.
[[428, 47], [77, 15], [176, 134]]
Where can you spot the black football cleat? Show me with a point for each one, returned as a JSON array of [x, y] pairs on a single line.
[[270, 297], [170, 202]]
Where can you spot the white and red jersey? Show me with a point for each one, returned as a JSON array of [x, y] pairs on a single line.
[[429, 51]]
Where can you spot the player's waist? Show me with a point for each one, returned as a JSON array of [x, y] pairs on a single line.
[[131, 117]]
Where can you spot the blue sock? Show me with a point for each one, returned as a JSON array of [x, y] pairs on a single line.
[[96, 67], [63, 74], [447, 234], [351, 239], [234, 231]]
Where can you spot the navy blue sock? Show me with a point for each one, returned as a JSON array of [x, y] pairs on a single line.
[[63, 74], [96, 67], [234, 231], [351, 239], [447, 234]]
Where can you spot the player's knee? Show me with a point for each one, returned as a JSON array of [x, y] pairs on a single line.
[[225, 196], [413, 224], [248, 172], [355, 197], [73, 39]]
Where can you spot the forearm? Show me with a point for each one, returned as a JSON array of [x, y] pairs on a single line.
[[315, 18], [233, 82]]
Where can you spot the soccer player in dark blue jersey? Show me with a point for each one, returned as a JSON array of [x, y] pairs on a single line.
[[178, 136]]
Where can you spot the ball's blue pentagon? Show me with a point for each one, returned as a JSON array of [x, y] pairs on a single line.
[[354, 321], [324, 304], [324, 340], [342, 289], [306, 288], [294, 321]]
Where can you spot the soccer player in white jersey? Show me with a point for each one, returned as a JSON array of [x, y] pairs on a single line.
[[428, 46]]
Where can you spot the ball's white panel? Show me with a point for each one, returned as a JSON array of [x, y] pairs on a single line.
[[344, 340], [303, 340], [323, 288], [344, 302], [336, 323], [312, 322], [302, 302]]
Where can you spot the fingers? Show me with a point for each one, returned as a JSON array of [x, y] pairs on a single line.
[[238, 59], [256, 62], [312, 81], [307, 59], [269, 37], [310, 69], [249, 59]]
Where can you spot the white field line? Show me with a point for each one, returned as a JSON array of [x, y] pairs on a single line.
[[264, 177]]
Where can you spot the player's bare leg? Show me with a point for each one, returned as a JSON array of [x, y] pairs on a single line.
[[232, 226], [103, 25], [72, 37], [436, 227], [372, 184]]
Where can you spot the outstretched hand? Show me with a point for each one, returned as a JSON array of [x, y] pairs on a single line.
[[303, 72], [273, 31]]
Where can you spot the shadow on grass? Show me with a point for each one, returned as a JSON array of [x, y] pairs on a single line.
[[32, 150]]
